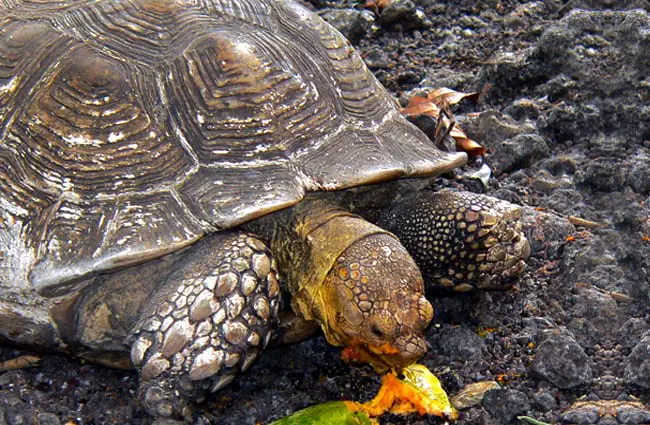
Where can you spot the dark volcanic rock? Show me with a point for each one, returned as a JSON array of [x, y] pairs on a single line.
[[404, 15], [637, 369], [630, 334], [505, 405], [460, 343], [47, 419], [545, 400], [352, 23], [561, 360], [519, 152]]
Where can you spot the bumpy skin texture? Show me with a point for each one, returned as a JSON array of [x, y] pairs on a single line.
[[206, 323], [461, 240], [375, 303]]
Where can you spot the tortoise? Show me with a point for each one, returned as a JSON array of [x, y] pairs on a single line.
[[171, 168]]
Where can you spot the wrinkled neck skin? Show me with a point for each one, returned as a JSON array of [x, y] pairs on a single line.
[[306, 241]]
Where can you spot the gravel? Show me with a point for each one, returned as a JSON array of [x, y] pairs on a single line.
[[565, 116]]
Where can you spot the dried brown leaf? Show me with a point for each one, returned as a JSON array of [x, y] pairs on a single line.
[[465, 143], [445, 96], [376, 5], [421, 106], [468, 145], [579, 221], [434, 104]]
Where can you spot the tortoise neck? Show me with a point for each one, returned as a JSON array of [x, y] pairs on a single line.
[[306, 240]]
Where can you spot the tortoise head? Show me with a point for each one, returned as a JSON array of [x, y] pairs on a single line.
[[372, 303]]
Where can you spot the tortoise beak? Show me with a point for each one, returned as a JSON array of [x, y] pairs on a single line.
[[405, 351]]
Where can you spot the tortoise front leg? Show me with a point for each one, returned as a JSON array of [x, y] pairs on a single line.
[[205, 323], [460, 240]]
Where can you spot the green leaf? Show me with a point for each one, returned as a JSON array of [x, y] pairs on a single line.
[[531, 421], [330, 413]]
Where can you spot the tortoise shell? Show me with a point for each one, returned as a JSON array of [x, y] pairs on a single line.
[[129, 129]]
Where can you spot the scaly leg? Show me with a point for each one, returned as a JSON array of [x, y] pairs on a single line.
[[205, 323], [461, 240]]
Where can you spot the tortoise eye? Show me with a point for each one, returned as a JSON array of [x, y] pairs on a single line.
[[376, 331]]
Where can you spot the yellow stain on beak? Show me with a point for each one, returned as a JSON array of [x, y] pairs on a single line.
[[379, 356], [384, 349]]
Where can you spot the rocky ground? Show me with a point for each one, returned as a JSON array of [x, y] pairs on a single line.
[[564, 113]]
